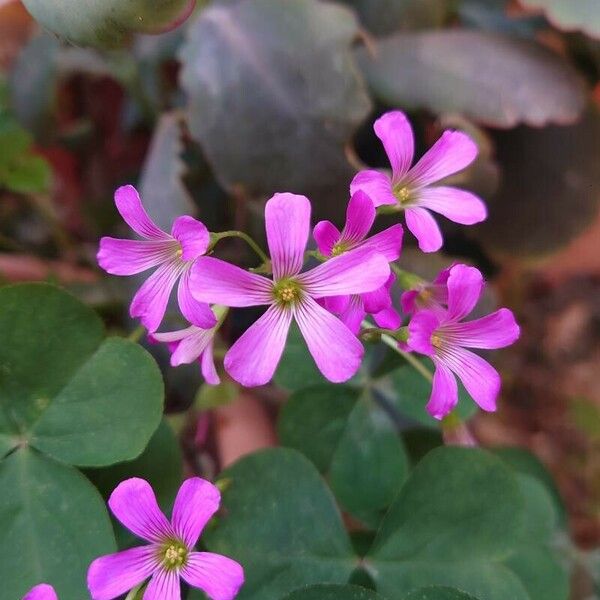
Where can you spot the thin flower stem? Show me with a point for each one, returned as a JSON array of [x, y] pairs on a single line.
[[406, 279], [388, 340], [244, 236], [137, 334]]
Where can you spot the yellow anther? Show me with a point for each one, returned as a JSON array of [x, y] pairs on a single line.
[[403, 195], [436, 341]]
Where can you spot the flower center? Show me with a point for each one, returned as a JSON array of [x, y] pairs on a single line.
[[436, 341], [403, 195], [174, 555], [338, 249], [287, 291]]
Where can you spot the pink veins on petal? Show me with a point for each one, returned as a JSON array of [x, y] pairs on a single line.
[[172, 254], [444, 337], [194, 344], [291, 295], [413, 189], [169, 554]]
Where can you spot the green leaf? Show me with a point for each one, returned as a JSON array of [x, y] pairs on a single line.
[[439, 593], [107, 23], [333, 592], [160, 464], [280, 521], [348, 436], [161, 185], [277, 81], [54, 523], [297, 369], [408, 392], [545, 166], [64, 390], [574, 14], [456, 518], [21, 171], [472, 73]]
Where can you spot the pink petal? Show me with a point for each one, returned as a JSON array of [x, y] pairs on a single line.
[[444, 392], [150, 301], [354, 272], [133, 502], [335, 304], [360, 216], [395, 132], [197, 501], [388, 319], [453, 152], [43, 591], [192, 235], [420, 329], [129, 204], [287, 220], [388, 242], [377, 300], [192, 342], [354, 314], [496, 330], [218, 282], [164, 585], [252, 360], [408, 301], [219, 577], [455, 204], [480, 379], [423, 226], [376, 185], [115, 574], [326, 235], [207, 365], [465, 286], [128, 257], [334, 348], [197, 313]]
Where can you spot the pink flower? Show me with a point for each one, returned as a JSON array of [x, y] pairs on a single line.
[[252, 360], [193, 343], [173, 254], [432, 296], [360, 217], [43, 591], [443, 337], [170, 552], [411, 189]]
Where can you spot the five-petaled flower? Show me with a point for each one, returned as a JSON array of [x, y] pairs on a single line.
[[252, 360], [360, 216], [43, 591], [411, 189], [193, 343], [443, 337], [170, 553], [431, 295], [173, 254]]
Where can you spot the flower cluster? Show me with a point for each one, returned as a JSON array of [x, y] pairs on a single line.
[[169, 555], [330, 300]]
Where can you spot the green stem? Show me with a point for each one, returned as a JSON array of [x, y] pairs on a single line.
[[136, 334], [388, 340], [406, 279], [243, 236]]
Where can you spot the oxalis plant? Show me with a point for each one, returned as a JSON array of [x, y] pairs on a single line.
[[352, 344]]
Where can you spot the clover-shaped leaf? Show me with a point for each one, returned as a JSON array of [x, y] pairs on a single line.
[[64, 390]]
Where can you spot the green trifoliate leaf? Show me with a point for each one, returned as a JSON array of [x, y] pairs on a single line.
[[54, 523], [281, 523], [65, 390]]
